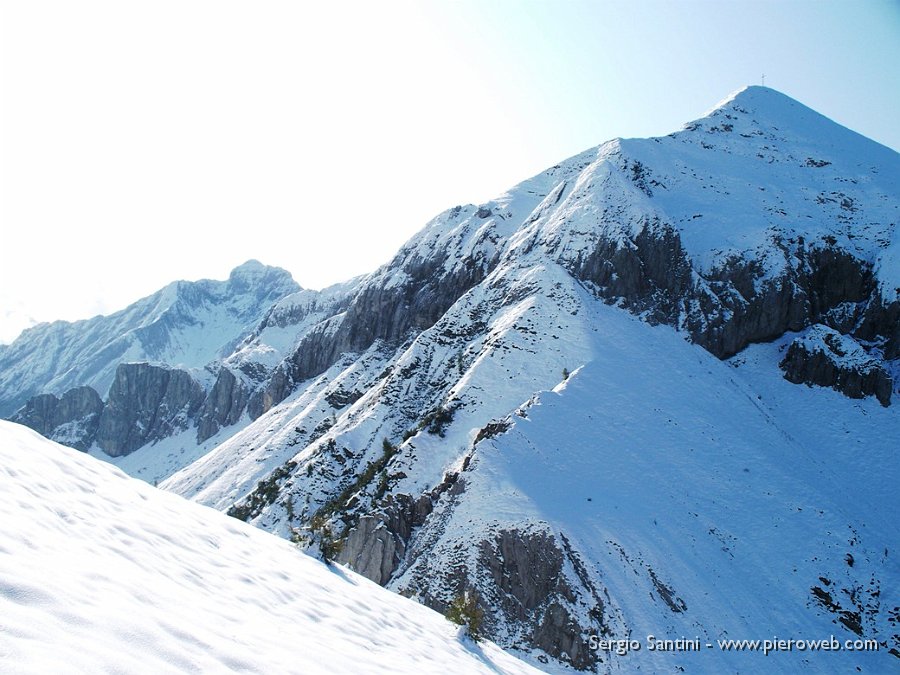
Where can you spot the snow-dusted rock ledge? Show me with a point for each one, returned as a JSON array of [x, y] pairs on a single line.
[[824, 357]]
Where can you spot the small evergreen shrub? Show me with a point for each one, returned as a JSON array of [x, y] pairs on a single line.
[[264, 494], [464, 611], [329, 546], [344, 500]]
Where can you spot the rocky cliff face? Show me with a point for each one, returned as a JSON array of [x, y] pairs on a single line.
[[376, 545], [735, 304], [72, 419], [532, 590], [406, 296], [824, 357], [223, 406], [882, 318], [146, 403]]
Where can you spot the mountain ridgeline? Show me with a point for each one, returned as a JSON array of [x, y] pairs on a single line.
[[581, 400]]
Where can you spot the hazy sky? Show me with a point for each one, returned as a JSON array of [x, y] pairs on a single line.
[[144, 142]]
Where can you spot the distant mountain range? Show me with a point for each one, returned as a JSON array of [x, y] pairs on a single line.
[[647, 391]]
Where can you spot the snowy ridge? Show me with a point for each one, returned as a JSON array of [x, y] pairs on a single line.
[[563, 213], [420, 376], [682, 403], [805, 175], [285, 320], [99, 572]]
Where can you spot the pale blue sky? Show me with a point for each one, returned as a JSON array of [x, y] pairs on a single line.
[[146, 142], [593, 69]]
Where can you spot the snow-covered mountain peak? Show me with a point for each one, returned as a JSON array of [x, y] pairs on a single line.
[[254, 273], [754, 176], [761, 175], [762, 100], [251, 266], [764, 113]]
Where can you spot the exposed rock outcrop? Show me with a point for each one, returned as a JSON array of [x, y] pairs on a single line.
[[824, 357], [527, 570], [522, 573], [375, 547], [223, 406], [533, 588], [146, 403], [71, 419], [739, 302], [651, 272], [380, 311], [881, 320], [371, 549]]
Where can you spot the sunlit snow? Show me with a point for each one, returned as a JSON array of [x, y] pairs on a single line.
[[103, 573]]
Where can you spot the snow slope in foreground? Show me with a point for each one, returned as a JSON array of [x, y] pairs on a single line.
[[100, 573]]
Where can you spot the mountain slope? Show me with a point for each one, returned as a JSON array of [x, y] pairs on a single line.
[[99, 572], [387, 425], [591, 216], [759, 218], [379, 421], [678, 497]]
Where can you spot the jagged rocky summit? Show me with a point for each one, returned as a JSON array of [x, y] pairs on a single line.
[[581, 400]]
